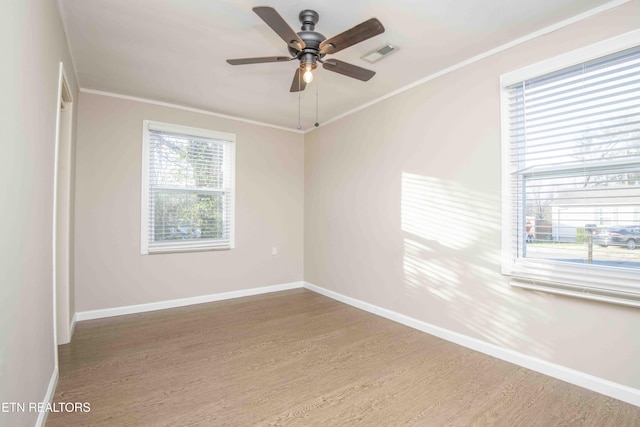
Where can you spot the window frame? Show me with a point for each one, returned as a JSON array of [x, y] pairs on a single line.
[[606, 284], [190, 245]]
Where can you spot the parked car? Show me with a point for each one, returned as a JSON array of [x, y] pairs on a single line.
[[628, 236]]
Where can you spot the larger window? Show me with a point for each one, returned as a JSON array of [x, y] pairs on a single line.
[[571, 173], [187, 189]]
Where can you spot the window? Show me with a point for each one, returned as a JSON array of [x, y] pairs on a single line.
[[571, 173], [187, 189]]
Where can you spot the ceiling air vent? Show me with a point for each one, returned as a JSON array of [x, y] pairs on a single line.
[[379, 53]]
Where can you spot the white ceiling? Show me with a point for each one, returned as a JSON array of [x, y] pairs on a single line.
[[174, 51]]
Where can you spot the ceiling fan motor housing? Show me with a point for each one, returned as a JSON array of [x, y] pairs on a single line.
[[312, 39]]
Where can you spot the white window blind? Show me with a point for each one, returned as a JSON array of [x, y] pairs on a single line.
[[572, 179], [188, 189]]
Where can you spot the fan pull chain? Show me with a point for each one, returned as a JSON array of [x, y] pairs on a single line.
[[299, 122], [317, 85]]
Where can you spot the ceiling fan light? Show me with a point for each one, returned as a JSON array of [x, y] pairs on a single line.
[[307, 76]]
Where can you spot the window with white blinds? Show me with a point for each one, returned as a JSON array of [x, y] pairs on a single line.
[[187, 189], [571, 173]]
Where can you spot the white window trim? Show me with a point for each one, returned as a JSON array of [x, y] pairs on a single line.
[[547, 275], [145, 247]]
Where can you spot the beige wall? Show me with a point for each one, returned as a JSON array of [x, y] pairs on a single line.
[[386, 196], [402, 210], [32, 43], [110, 272]]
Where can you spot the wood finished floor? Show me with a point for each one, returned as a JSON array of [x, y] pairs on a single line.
[[298, 358]]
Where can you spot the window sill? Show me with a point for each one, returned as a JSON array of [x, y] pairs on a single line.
[[601, 295], [186, 246]]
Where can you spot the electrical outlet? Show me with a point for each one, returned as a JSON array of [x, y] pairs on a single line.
[[274, 250]]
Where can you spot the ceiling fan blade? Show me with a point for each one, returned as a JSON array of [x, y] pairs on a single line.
[[298, 84], [348, 70], [273, 19], [360, 32], [242, 61]]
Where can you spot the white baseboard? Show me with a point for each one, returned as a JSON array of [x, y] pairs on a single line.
[[48, 398], [161, 305], [609, 388]]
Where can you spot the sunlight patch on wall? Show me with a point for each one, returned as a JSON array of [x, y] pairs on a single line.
[[452, 258], [443, 211], [442, 279], [473, 293]]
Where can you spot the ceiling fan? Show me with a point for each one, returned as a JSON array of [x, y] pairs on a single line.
[[310, 47]]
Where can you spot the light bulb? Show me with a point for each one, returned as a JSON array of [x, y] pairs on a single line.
[[307, 76]]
